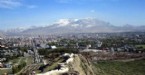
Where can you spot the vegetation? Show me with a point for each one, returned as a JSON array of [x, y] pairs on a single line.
[[53, 66], [17, 68], [5, 70], [23, 49], [120, 68], [58, 50], [140, 46]]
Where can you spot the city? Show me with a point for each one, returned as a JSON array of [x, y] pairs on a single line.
[[40, 55], [72, 37]]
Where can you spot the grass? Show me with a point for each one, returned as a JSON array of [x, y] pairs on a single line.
[[143, 46], [16, 61], [120, 68], [53, 66], [29, 60], [2, 71], [9, 70]]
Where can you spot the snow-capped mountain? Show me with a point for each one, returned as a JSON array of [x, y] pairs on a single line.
[[87, 25], [15, 31], [73, 26]]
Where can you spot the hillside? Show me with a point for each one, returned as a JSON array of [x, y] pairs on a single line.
[[120, 68], [81, 66], [85, 67]]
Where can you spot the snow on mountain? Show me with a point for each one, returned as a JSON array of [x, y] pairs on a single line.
[[63, 22], [73, 26], [87, 25]]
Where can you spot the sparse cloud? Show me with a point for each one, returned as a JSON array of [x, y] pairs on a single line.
[[10, 3], [68, 1]]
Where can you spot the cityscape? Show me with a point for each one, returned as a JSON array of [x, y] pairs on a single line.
[[72, 37]]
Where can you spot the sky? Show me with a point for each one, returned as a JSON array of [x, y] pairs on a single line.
[[29, 13]]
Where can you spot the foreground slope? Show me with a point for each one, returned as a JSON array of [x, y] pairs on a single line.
[[120, 68], [81, 65]]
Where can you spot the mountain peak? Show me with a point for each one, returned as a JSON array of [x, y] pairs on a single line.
[[86, 25], [86, 22], [63, 22]]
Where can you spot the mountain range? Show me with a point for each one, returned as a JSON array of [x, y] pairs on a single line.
[[87, 25]]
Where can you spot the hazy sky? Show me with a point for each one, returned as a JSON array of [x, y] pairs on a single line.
[[26, 13]]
